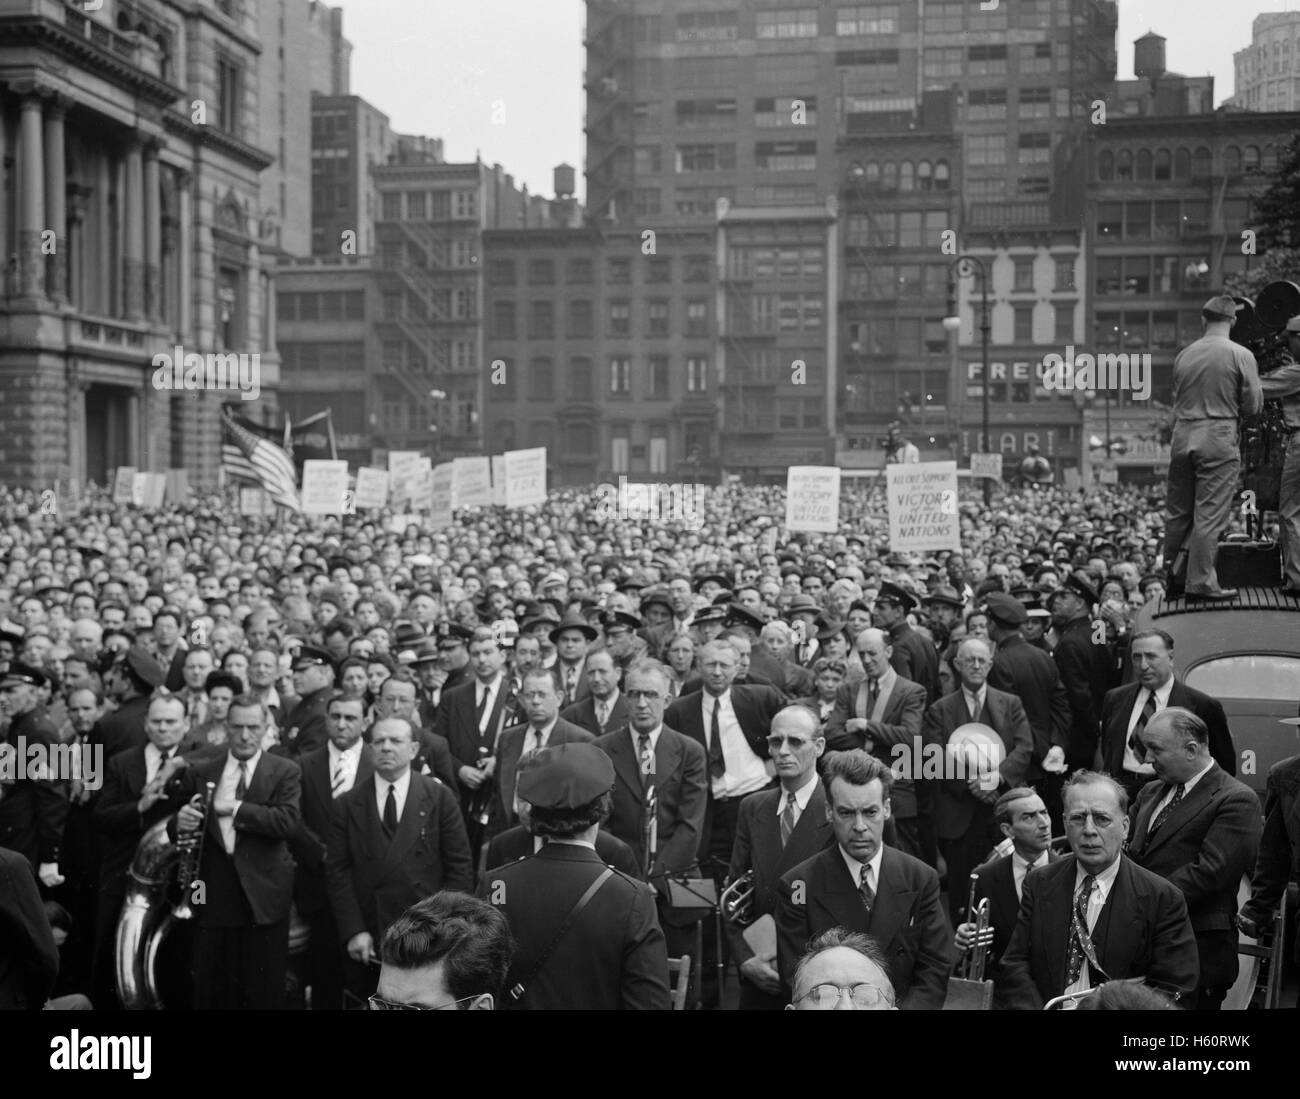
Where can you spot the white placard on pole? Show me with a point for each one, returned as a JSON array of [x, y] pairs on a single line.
[[403, 466], [324, 486], [525, 477], [123, 483], [499, 480], [986, 465], [472, 482], [923, 507], [253, 500], [422, 493], [812, 499], [441, 506], [372, 488]]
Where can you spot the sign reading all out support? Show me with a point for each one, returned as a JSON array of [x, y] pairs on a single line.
[[472, 482], [923, 507], [812, 499], [440, 510], [324, 486], [525, 477], [372, 488]]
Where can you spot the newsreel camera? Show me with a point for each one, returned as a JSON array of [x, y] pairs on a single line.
[[1259, 328]]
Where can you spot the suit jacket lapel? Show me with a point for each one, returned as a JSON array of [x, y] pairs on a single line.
[[415, 815], [668, 755], [893, 897], [625, 764], [809, 835], [1055, 905], [1193, 802], [842, 895]]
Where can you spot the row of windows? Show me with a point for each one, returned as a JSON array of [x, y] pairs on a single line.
[[760, 314], [1149, 275], [462, 253], [428, 205], [771, 261], [957, 61], [579, 270], [1126, 165], [892, 175], [325, 305], [310, 357], [1146, 330], [460, 304], [539, 381], [897, 229], [983, 104], [1164, 220], [579, 322]]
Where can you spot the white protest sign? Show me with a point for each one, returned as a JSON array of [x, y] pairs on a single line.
[[812, 499], [122, 485], [372, 488], [139, 487], [422, 492], [403, 467], [254, 501], [324, 486], [525, 477], [153, 489], [499, 480], [472, 482], [441, 506], [986, 465], [923, 507]]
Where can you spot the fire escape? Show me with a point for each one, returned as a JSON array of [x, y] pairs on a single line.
[[608, 126]]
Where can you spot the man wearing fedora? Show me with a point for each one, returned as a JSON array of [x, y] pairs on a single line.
[[571, 638]]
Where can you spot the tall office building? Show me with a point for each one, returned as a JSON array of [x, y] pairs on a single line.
[[1267, 72]]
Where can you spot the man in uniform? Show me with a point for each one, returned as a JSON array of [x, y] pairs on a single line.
[[1284, 383], [131, 680], [307, 726], [587, 937], [1215, 383], [34, 806], [913, 657], [1084, 667]]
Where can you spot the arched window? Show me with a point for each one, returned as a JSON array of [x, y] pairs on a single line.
[[1124, 164], [873, 173], [941, 177], [1164, 165], [1269, 163], [1232, 161], [1144, 164], [1202, 163], [1182, 164], [889, 176], [907, 176], [1106, 165], [924, 176], [1251, 159]]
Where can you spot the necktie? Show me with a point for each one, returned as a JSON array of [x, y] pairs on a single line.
[[602, 714], [873, 689], [540, 736], [973, 704], [865, 891], [390, 812], [1079, 934], [241, 787], [1163, 815], [481, 709], [1135, 737], [340, 776], [717, 762], [788, 821], [645, 760]]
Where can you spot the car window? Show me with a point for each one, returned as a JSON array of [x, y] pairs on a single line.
[[1260, 677]]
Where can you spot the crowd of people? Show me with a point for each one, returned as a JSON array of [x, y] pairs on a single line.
[[501, 764]]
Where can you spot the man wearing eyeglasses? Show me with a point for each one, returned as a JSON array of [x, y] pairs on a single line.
[[842, 971], [862, 885], [964, 798], [1095, 915], [777, 830], [447, 952]]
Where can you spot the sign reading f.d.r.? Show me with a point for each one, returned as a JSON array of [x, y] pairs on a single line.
[[525, 477], [922, 507], [812, 499]]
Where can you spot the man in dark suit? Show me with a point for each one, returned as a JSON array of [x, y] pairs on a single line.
[[862, 885], [395, 838], [572, 638], [130, 681], [1021, 817], [963, 801], [1199, 829], [882, 711], [246, 871], [777, 829], [1278, 862], [397, 698], [140, 789], [612, 955], [29, 960], [648, 755], [519, 842], [1127, 710], [604, 709], [731, 724], [442, 664], [313, 681], [913, 657], [540, 694], [328, 773], [1084, 666], [33, 807], [1095, 915]]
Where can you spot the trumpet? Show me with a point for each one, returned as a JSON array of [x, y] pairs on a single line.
[[190, 846], [972, 966], [737, 900]]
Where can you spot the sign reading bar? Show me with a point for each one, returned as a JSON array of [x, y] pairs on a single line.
[[923, 507], [324, 486], [472, 481], [812, 499], [372, 488], [525, 477], [441, 506]]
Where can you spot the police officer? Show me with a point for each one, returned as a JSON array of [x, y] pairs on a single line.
[[306, 726], [131, 680], [611, 955], [1216, 382], [1284, 383], [34, 802]]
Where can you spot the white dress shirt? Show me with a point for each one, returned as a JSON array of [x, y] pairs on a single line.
[[152, 762], [350, 760], [491, 689], [870, 869], [654, 739], [884, 688], [400, 789], [1187, 789], [801, 797], [745, 770], [975, 701], [225, 791], [1096, 902], [608, 704], [1162, 701], [1019, 868], [536, 739]]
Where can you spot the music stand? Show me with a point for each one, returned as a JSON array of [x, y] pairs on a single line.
[[700, 894]]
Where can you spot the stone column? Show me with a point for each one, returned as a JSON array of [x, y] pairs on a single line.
[[100, 280], [185, 256], [79, 274], [31, 200], [133, 252], [152, 234], [56, 213]]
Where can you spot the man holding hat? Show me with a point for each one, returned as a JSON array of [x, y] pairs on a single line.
[[1216, 382], [306, 726], [34, 806], [586, 936], [1284, 383]]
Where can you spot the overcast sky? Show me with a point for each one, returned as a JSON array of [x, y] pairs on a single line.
[[439, 67]]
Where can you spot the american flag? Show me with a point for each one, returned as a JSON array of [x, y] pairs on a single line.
[[250, 456]]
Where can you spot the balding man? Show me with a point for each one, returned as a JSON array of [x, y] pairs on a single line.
[[85, 639], [842, 971], [882, 711], [1198, 828], [965, 796], [1216, 382]]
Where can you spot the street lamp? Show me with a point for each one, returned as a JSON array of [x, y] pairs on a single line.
[[962, 267]]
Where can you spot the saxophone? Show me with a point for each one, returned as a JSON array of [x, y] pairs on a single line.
[[147, 914]]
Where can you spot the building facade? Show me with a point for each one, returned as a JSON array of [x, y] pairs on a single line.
[[131, 213], [349, 138], [1267, 72]]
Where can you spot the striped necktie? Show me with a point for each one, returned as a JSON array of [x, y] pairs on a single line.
[[1163, 815], [787, 818], [1135, 737], [865, 891], [241, 787], [1080, 937], [339, 779]]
